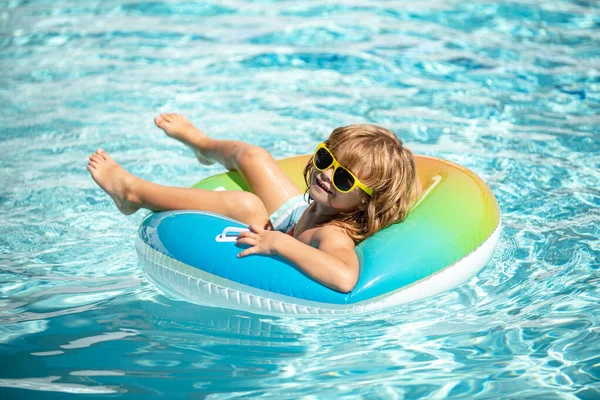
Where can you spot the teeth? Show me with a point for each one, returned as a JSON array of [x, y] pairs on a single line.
[[322, 186]]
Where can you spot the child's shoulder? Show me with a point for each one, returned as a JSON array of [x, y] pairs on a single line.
[[332, 234]]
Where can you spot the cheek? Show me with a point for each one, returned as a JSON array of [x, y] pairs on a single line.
[[313, 175], [313, 178], [349, 202]]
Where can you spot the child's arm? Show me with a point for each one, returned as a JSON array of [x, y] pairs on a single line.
[[333, 263]]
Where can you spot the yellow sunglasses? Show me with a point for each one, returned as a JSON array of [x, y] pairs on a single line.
[[343, 180]]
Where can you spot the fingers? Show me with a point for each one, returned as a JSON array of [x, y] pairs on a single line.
[[251, 238], [248, 241], [247, 252], [247, 234], [256, 228]]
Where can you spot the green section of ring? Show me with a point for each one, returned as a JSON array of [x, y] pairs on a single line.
[[455, 214]]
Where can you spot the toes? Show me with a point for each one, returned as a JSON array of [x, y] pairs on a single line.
[[103, 155], [160, 121], [96, 154], [163, 120]]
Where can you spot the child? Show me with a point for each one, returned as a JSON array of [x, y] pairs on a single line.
[[359, 181]]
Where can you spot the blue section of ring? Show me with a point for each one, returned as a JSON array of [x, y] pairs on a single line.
[[190, 237]]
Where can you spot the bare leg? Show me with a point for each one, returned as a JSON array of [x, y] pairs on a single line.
[[259, 169], [180, 128], [131, 193]]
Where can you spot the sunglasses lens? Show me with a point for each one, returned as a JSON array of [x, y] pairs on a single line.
[[323, 159], [342, 179]]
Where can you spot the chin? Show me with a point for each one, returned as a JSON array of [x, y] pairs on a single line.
[[316, 193], [319, 196]]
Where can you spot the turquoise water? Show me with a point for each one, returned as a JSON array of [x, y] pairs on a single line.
[[509, 89]]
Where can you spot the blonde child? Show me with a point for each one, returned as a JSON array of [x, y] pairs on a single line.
[[359, 181]]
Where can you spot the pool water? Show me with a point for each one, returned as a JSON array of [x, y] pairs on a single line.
[[509, 89]]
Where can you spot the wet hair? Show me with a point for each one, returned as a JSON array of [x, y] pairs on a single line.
[[380, 160]]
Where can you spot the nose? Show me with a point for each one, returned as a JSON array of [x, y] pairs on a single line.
[[328, 173]]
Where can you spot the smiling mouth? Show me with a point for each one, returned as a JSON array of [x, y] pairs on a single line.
[[322, 186]]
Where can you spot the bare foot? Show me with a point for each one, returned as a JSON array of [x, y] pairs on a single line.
[[114, 180], [179, 127]]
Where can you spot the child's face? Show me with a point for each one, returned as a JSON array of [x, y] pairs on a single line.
[[323, 192]]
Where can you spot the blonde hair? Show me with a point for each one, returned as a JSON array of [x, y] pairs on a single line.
[[377, 156]]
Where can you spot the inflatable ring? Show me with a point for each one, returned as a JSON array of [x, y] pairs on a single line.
[[449, 235]]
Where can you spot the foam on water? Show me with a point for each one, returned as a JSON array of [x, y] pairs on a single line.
[[509, 89]]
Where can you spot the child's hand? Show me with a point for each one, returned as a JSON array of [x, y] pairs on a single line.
[[261, 241]]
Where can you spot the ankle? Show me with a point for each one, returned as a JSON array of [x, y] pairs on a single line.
[[131, 190], [201, 143]]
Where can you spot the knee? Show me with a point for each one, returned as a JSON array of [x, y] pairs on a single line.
[[251, 155], [247, 207]]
